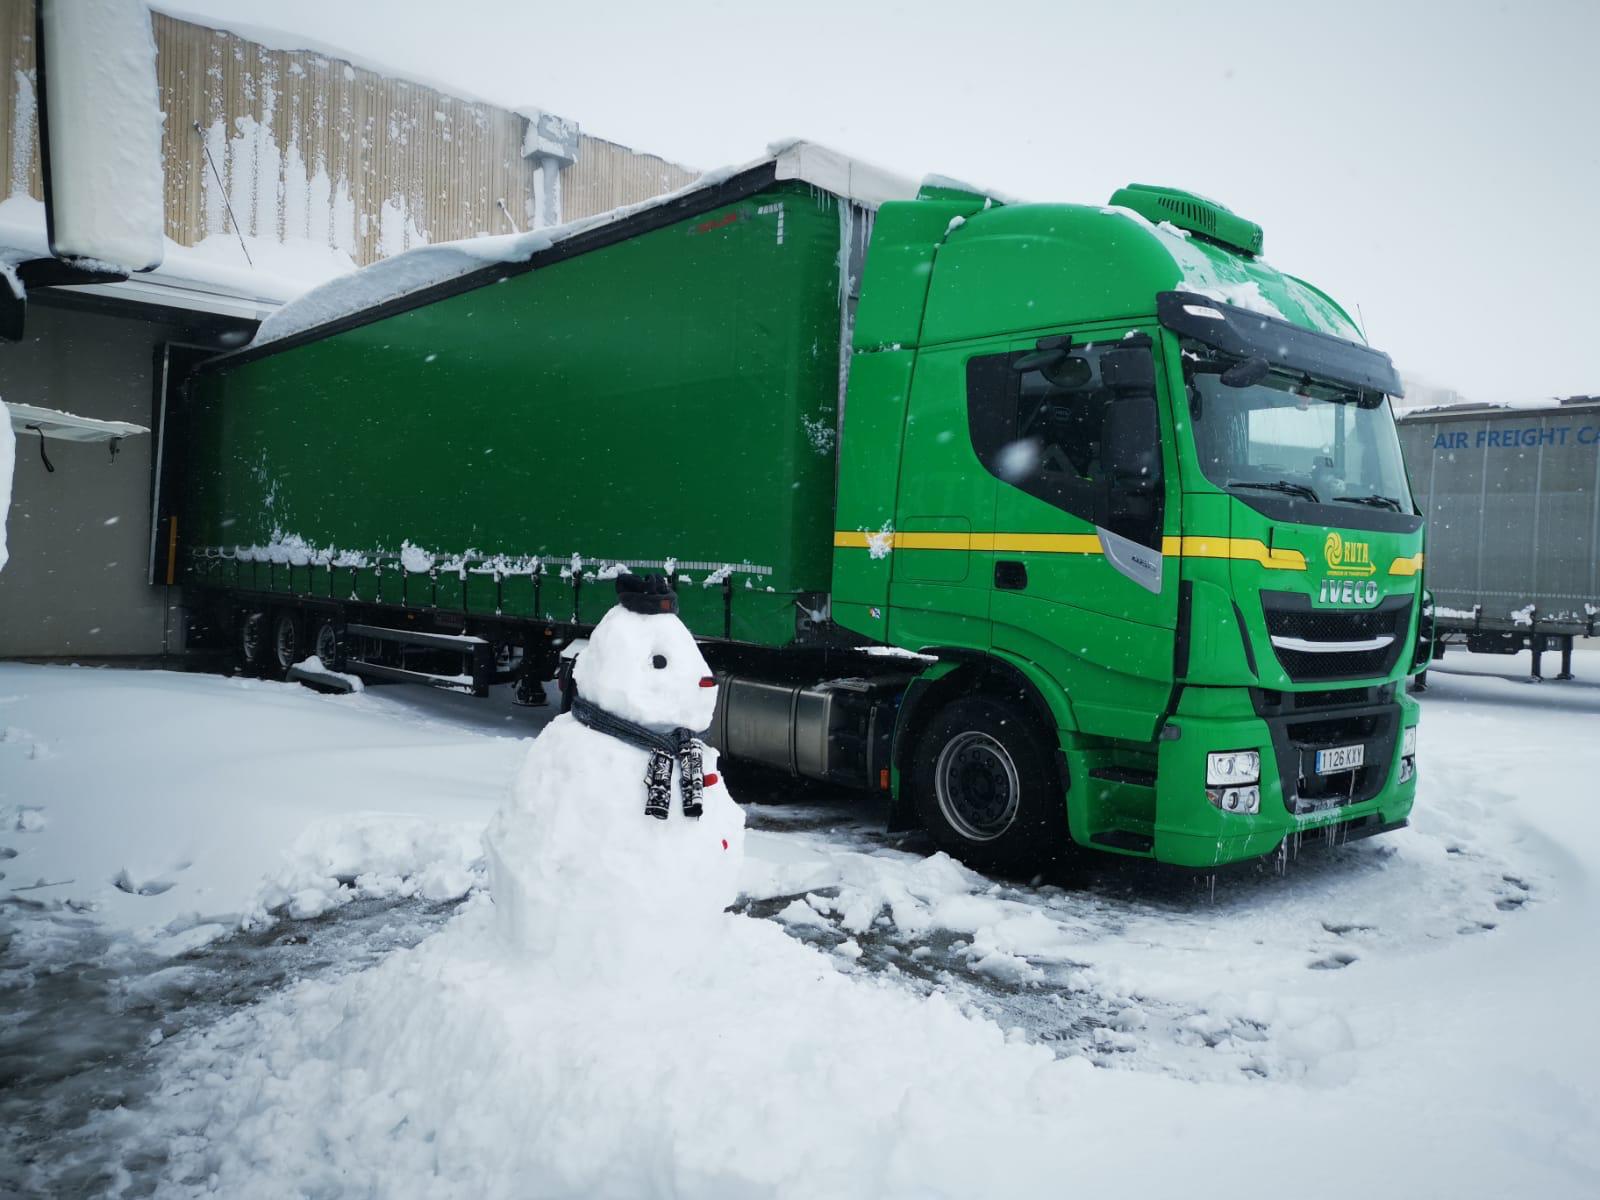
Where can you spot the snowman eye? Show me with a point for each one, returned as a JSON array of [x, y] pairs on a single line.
[[659, 662]]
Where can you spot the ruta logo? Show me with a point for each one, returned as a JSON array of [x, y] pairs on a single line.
[[1347, 558]]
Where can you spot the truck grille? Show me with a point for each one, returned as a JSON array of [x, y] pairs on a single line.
[[1296, 740], [1290, 615]]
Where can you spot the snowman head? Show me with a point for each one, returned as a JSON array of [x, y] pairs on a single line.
[[642, 663]]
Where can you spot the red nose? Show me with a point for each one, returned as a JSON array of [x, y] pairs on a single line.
[[708, 681]]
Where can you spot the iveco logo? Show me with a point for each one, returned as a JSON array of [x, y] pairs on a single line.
[[1348, 591], [1347, 558]]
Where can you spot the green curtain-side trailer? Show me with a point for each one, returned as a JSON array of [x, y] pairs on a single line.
[[1064, 525], [669, 397]]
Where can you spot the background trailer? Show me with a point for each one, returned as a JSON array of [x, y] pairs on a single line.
[[1512, 497]]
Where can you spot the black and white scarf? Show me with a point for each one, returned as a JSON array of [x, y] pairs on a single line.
[[680, 745]]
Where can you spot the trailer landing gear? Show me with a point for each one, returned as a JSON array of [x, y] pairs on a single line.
[[1538, 644]]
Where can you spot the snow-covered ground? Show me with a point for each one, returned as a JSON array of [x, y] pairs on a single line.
[[1407, 1016]]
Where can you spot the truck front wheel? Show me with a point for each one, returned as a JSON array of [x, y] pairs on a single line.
[[986, 786]]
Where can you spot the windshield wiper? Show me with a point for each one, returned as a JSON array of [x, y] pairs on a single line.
[[1277, 485], [1375, 501]]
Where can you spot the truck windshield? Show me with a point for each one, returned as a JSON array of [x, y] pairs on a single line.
[[1301, 438]]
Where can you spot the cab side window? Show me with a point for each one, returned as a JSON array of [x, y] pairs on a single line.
[[1038, 418]]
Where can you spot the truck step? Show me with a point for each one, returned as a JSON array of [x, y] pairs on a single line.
[[1129, 775], [459, 642], [1121, 839], [450, 683]]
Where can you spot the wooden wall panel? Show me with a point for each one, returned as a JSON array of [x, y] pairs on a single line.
[[19, 123], [310, 147], [607, 175]]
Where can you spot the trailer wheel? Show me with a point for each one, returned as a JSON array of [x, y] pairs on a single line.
[[287, 641], [987, 788], [328, 645], [252, 642]]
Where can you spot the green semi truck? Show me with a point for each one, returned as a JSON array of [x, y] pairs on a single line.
[[1065, 526]]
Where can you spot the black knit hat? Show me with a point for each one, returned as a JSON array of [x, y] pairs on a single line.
[[646, 594]]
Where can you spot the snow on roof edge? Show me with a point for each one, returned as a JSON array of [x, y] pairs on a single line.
[[423, 267], [961, 185], [1493, 408], [274, 38], [833, 171]]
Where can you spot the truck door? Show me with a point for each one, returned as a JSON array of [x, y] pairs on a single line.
[[944, 515], [1076, 431]]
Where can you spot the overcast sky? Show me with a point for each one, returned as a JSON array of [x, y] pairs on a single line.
[[1435, 164]]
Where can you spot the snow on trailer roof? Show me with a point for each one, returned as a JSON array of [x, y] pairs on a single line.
[[1502, 408], [394, 280]]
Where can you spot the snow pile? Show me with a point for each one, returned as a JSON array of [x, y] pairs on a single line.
[[457, 1071], [574, 860], [8, 466], [22, 229], [173, 808], [357, 857], [105, 132], [275, 271]]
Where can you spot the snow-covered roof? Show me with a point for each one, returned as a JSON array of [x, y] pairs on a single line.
[[211, 277], [427, 266]]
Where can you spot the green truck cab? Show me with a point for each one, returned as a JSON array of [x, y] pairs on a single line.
[[1182, 526], [1067, 526]]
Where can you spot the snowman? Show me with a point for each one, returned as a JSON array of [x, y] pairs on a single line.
[[620, 843]]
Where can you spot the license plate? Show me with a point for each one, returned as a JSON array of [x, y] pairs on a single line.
[[1340, 758]]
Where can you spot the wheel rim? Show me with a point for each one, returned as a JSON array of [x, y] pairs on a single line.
[[250, 637], [977, 786], [328, 647], [286, 643]]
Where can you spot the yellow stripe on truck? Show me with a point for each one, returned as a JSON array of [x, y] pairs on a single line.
[[1406, 566], [1013, 543], [1247, 549]]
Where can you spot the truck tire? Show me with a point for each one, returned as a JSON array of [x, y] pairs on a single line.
[[287, 645], [987, 788], [328, 645], [251, 641]]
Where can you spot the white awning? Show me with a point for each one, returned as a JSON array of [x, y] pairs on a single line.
[[69, 427]]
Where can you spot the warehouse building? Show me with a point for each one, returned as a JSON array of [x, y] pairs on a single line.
[[282, 168]]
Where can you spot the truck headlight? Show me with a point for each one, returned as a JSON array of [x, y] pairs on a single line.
[[1408, 753], [1236, 799], [1233, 767]]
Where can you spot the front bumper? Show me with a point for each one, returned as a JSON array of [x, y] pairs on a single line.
[[1286, 728]]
